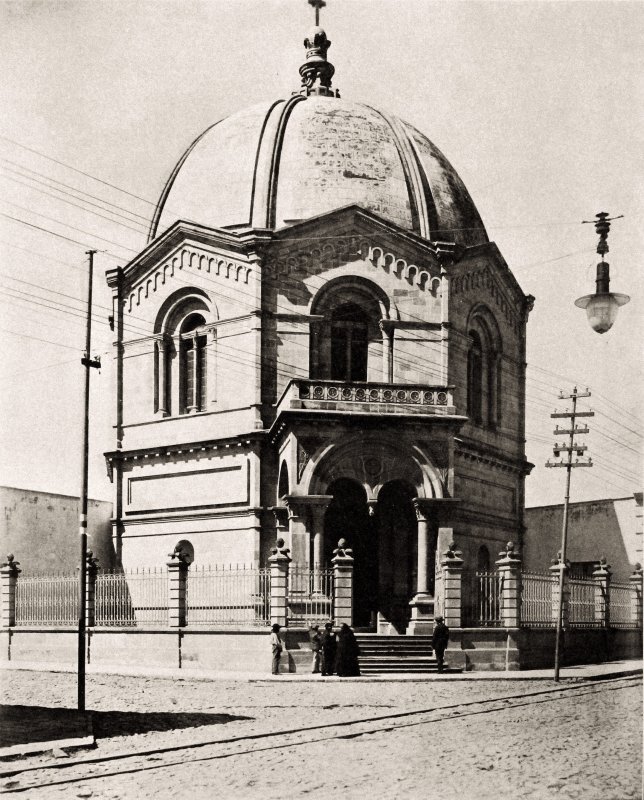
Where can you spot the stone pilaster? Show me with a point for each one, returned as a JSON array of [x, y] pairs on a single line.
[[509, 567], [601, 577], [558, 568], [635, 582], [177, 578], [9, 572], [452, 567], [298, 536], [342, 584], [90, 589], [279, 561]]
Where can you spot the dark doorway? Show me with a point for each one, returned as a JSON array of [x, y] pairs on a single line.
[[347, 517], [398, 528], [349, 343]]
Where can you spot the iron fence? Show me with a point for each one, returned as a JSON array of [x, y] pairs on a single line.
[[484, 608], [619, 611], [235, 595], [310, 595], [536, 600], [133, 597], [581, 603], [47, 600]]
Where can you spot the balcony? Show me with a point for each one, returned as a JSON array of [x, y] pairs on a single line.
[[369, 398]]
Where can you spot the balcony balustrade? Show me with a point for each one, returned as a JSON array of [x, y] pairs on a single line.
[[377, 398]]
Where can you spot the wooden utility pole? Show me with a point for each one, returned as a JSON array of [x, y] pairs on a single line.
[[568, 465], [88, 363]]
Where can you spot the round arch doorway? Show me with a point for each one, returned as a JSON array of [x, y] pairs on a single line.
[[384, 548]]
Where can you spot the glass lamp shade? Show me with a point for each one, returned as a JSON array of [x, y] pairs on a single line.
[[601, 309]]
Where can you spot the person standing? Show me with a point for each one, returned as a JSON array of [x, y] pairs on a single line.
[[440, 638], [276, 647], [328, 649], [316, 643], [346, 660]]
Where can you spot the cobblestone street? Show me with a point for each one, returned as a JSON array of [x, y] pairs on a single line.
[[539, 747]]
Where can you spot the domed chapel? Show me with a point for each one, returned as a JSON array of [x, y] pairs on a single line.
[[319, 341]]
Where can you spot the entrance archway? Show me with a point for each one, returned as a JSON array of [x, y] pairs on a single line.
[[398, 538], [348, 517]]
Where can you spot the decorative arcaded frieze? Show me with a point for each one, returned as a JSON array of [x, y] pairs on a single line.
[[189, 259], [482, 278], [400, 268]]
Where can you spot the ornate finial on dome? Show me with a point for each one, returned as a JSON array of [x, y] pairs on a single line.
[[316, 71]]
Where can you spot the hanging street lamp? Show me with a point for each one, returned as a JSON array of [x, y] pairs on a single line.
[[602, 307]]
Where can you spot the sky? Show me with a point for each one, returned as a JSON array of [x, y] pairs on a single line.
[[538, 105]]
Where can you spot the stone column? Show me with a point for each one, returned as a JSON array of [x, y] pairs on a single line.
[[601, 577], [298, 537], [509, 567], [342, 584], [177, 578], [556, 569], [452, 566], [90, 589], [635, 582], [422, 604], [279, 561], [9, 572]]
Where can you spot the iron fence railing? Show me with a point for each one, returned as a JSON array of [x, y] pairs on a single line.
[[620, 606], [581, 603], [536, 600], [47, 600], [133, 597], [310, 595], [484, 608], [228, 596]]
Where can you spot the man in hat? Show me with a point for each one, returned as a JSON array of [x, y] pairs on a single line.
[[440, 638], [276, 647]]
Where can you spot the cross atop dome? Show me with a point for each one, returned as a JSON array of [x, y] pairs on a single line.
[[317, 5], [316, 72]]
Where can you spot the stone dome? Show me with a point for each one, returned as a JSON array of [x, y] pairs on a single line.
[[284, 161]]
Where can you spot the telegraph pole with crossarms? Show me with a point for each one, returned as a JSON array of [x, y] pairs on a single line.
[[568, 465]]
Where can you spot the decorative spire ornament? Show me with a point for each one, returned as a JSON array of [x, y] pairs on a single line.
[[316, 72]]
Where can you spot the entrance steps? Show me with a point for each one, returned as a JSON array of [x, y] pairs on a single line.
[[380, 654]]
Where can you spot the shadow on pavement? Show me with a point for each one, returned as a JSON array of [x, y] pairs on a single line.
[[127, 723], [31, 724]]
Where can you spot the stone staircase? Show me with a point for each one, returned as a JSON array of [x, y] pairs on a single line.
[[401, 654]]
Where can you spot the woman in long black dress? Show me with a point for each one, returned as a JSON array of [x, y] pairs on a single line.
[[346, 659]]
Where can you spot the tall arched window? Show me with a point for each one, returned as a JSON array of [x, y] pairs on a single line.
[[475, 379], [192, 365], [349, 343], [184, 353], [484, 369], [346, 341]]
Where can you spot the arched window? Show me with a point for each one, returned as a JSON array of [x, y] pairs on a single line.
[[192, 365], [484, 369], [349, 343], [475, 379], [184, 353]]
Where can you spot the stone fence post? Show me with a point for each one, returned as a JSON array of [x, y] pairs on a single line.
[[342, 583], [279, 561], [177, 578], [601, 577], [635, 582], [91, 566], [9, 572], [556, 569], [452, 567], [509, 567]]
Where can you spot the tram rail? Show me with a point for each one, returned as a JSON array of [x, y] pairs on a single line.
[[87, 769]]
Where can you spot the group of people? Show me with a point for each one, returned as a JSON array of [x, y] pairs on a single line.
[[338, 653], [332, 653]]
